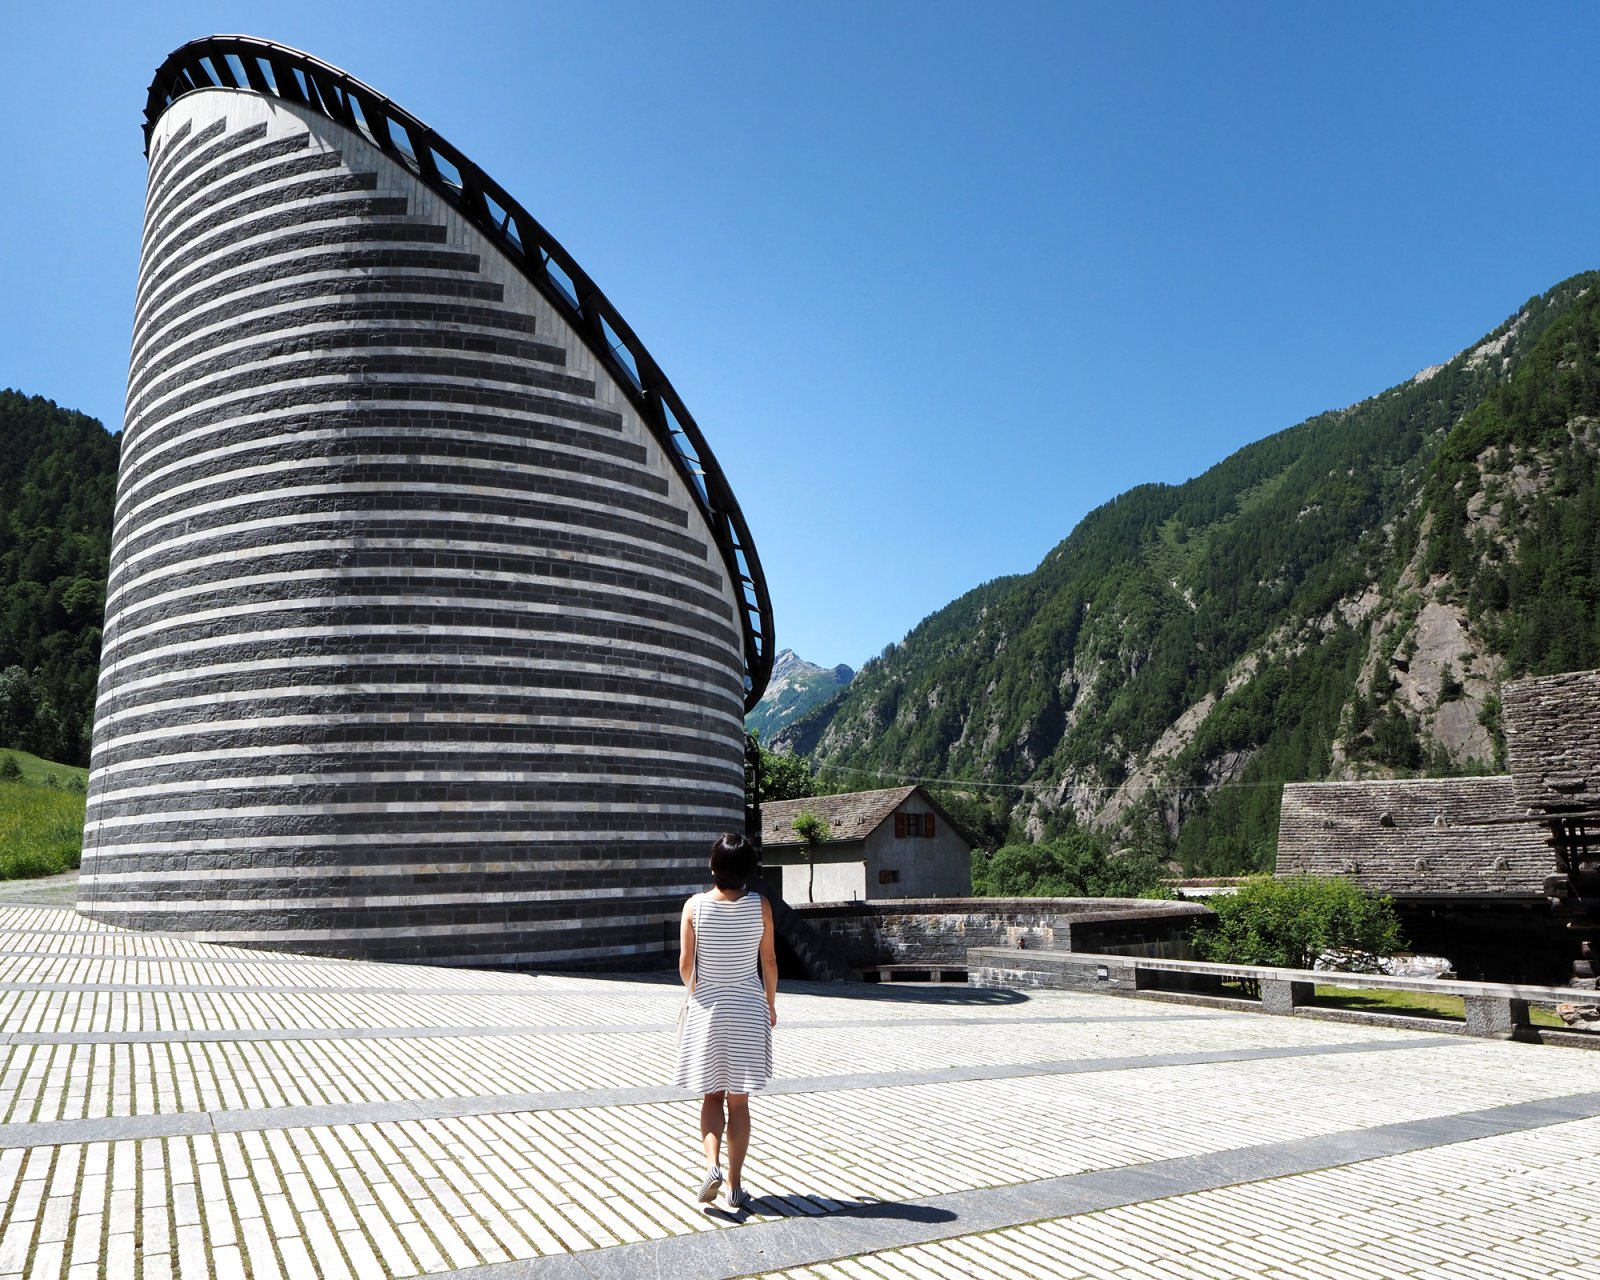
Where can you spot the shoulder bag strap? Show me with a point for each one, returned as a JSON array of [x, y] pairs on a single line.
[[694, 972]]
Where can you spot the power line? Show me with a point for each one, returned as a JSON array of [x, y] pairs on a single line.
[[1162, 789], [933, 782]]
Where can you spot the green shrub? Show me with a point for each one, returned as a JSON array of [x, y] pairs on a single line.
[[10, 770], [1076, 865], [1290, 923], [784, 776]]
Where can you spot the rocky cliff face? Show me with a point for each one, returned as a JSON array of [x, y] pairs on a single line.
[[1341, 599]]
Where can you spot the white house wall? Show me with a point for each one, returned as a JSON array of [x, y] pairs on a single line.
[[936, 868], [839, 875], [940, 867]]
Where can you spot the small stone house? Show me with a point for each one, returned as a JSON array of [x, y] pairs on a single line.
[[1553, 747], [1464, 885], [1552, 742], [895, 843], [1501, 874]]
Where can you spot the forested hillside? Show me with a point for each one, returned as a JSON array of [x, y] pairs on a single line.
[[1340, 599], [58, 475]]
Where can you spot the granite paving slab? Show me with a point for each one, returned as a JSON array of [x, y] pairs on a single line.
[[173, 1109]]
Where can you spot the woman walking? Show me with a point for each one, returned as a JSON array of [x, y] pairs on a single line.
[[726, 1047]]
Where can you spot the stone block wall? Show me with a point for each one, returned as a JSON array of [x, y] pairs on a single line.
[[416, 645], [1050, 970]]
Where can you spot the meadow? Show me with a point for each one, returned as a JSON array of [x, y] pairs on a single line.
[[41, 815]]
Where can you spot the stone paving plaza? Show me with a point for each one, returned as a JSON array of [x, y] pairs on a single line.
[[176, 1109]]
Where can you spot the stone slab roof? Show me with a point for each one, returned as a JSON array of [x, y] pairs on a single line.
[[1553, 740], [1413, 836], [853, 815]]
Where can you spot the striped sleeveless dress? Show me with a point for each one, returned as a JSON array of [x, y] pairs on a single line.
[[727, 1035]]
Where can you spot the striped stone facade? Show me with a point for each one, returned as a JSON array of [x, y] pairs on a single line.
[[416, 645]]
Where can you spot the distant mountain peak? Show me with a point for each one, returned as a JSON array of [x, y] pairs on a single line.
[[795, 688]]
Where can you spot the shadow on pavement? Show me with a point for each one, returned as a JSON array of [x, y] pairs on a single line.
[[908, 993], [819, 1206], [897, 1211], [947, 994]]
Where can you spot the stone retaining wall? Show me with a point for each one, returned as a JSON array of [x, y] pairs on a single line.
[[939, 931]]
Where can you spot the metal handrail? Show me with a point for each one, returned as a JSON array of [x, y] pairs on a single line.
[[274, 70]]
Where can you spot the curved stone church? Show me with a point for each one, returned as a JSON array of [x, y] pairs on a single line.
[[432, 621]]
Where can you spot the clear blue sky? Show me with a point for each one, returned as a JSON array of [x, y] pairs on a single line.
[[936, 279]]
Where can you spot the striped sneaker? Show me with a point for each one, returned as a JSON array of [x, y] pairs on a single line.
[[739, 1200], [712, 1185]]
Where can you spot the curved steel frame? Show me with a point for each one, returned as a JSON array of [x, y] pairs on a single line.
[[259, 66]]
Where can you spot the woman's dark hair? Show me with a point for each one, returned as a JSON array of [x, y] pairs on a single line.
[[733, 861]]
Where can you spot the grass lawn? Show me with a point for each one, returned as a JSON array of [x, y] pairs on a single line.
[[1414, 1004], [41, 816], [1411, 1004]]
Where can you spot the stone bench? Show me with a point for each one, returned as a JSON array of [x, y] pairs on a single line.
[[913, 973], [1494, 1010]]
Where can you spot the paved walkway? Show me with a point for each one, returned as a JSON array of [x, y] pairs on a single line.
[[175, 1109]]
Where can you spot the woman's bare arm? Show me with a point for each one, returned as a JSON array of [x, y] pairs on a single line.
[[769, 961], [686, 946]]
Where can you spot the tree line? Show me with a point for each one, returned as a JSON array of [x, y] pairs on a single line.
[[58, 474]]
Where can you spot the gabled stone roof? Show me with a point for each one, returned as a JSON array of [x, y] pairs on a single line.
[[852, 815], [1413, 836], [1553, 740]]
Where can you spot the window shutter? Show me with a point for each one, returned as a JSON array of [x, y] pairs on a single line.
[[899, 826], [927, 825]]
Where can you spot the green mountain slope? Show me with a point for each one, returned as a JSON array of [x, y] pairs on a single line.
[[58, 476], [1338, 599]]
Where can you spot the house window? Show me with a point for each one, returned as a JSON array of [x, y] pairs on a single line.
[[914, 825], [886, 876]]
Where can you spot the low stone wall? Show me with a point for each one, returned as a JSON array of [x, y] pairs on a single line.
[[1492, 1010], [1051, 970], [940, 931]]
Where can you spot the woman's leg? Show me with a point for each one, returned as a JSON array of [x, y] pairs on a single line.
[[711, 1126], [738, 1135]]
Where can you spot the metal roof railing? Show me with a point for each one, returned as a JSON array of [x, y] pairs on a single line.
[[259, 66]]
